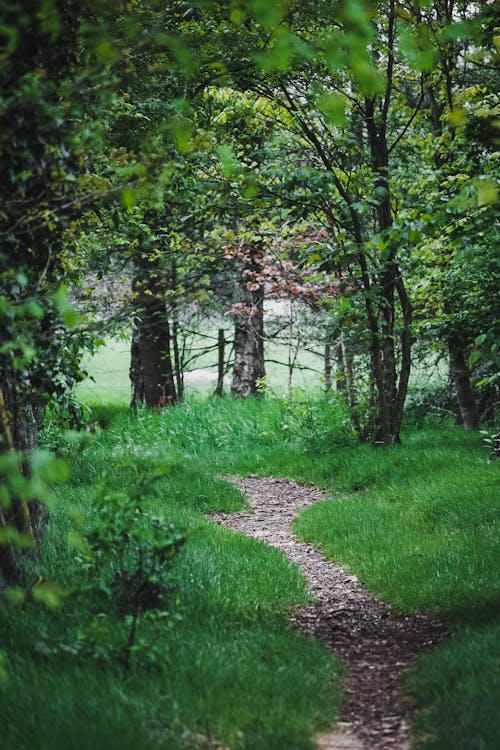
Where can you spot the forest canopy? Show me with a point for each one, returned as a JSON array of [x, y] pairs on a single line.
[[214, 157]]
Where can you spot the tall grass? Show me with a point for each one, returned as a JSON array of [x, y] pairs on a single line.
[[418, 524], [230, 669]]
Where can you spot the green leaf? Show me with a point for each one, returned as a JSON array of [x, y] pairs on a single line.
[[484, 381], [70, 317], [229, 164], [333, 107], [267, 13], [48, 468], [417, 46], [4, 496], [15, 595], [105, 51], [487, 192], [49, 593], [457, 117], [68, 314], [35, 309], [8, 535], [474, 357], [128, 198], [60, 297]]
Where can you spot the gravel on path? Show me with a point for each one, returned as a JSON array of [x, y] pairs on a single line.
[[375, 644]]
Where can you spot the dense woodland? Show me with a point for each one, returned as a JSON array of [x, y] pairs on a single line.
[[227, 177]]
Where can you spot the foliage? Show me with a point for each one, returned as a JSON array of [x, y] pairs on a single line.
[[131, 555], [217, 673], [355, 141], [434, 403], [25, 480]]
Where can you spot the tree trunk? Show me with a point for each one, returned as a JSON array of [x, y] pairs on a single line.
[[346, 383], [135, 372], [249, 366], [221, 363], [9, 570], [156, 363], [391, 391], [20, 425], [328, 368], [151, 371], [178, 368], [406, 343], [19, 435], [460, 374], [293, 346], [178, 364]]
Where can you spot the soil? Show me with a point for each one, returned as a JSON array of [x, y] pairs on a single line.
[[376, 644]]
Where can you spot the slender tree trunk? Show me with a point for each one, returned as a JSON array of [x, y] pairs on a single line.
[[19, 435], [20, 425], [460, 374], [178, 366], [249, 365], [135, 372], [346, 383], [221, 362], [348, 368], [406, 343], [9, 570], [293, 347], [178, 369], [328, 368]]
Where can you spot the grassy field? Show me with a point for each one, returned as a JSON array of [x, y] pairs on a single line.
[[417, 523], [225, 667], [109, 378], [420, 525]]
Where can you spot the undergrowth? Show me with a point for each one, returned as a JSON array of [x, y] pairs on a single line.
[[417, 523], [209, 657]]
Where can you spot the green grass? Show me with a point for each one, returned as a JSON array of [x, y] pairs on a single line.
[[417, 523], [459, 689], [109, 367], [231, 669]]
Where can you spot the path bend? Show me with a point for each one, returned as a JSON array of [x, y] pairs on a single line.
[[375, 644]]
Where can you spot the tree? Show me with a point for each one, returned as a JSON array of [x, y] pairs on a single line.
[[54, 54], [298, 84], [40, 195], [348, 94], [455, 243]]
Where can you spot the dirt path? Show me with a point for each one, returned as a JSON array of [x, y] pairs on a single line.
[[375, 644]]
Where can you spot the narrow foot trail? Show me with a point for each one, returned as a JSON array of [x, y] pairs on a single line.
[[375, 644]]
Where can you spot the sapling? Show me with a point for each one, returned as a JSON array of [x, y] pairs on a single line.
[[131, 555]]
